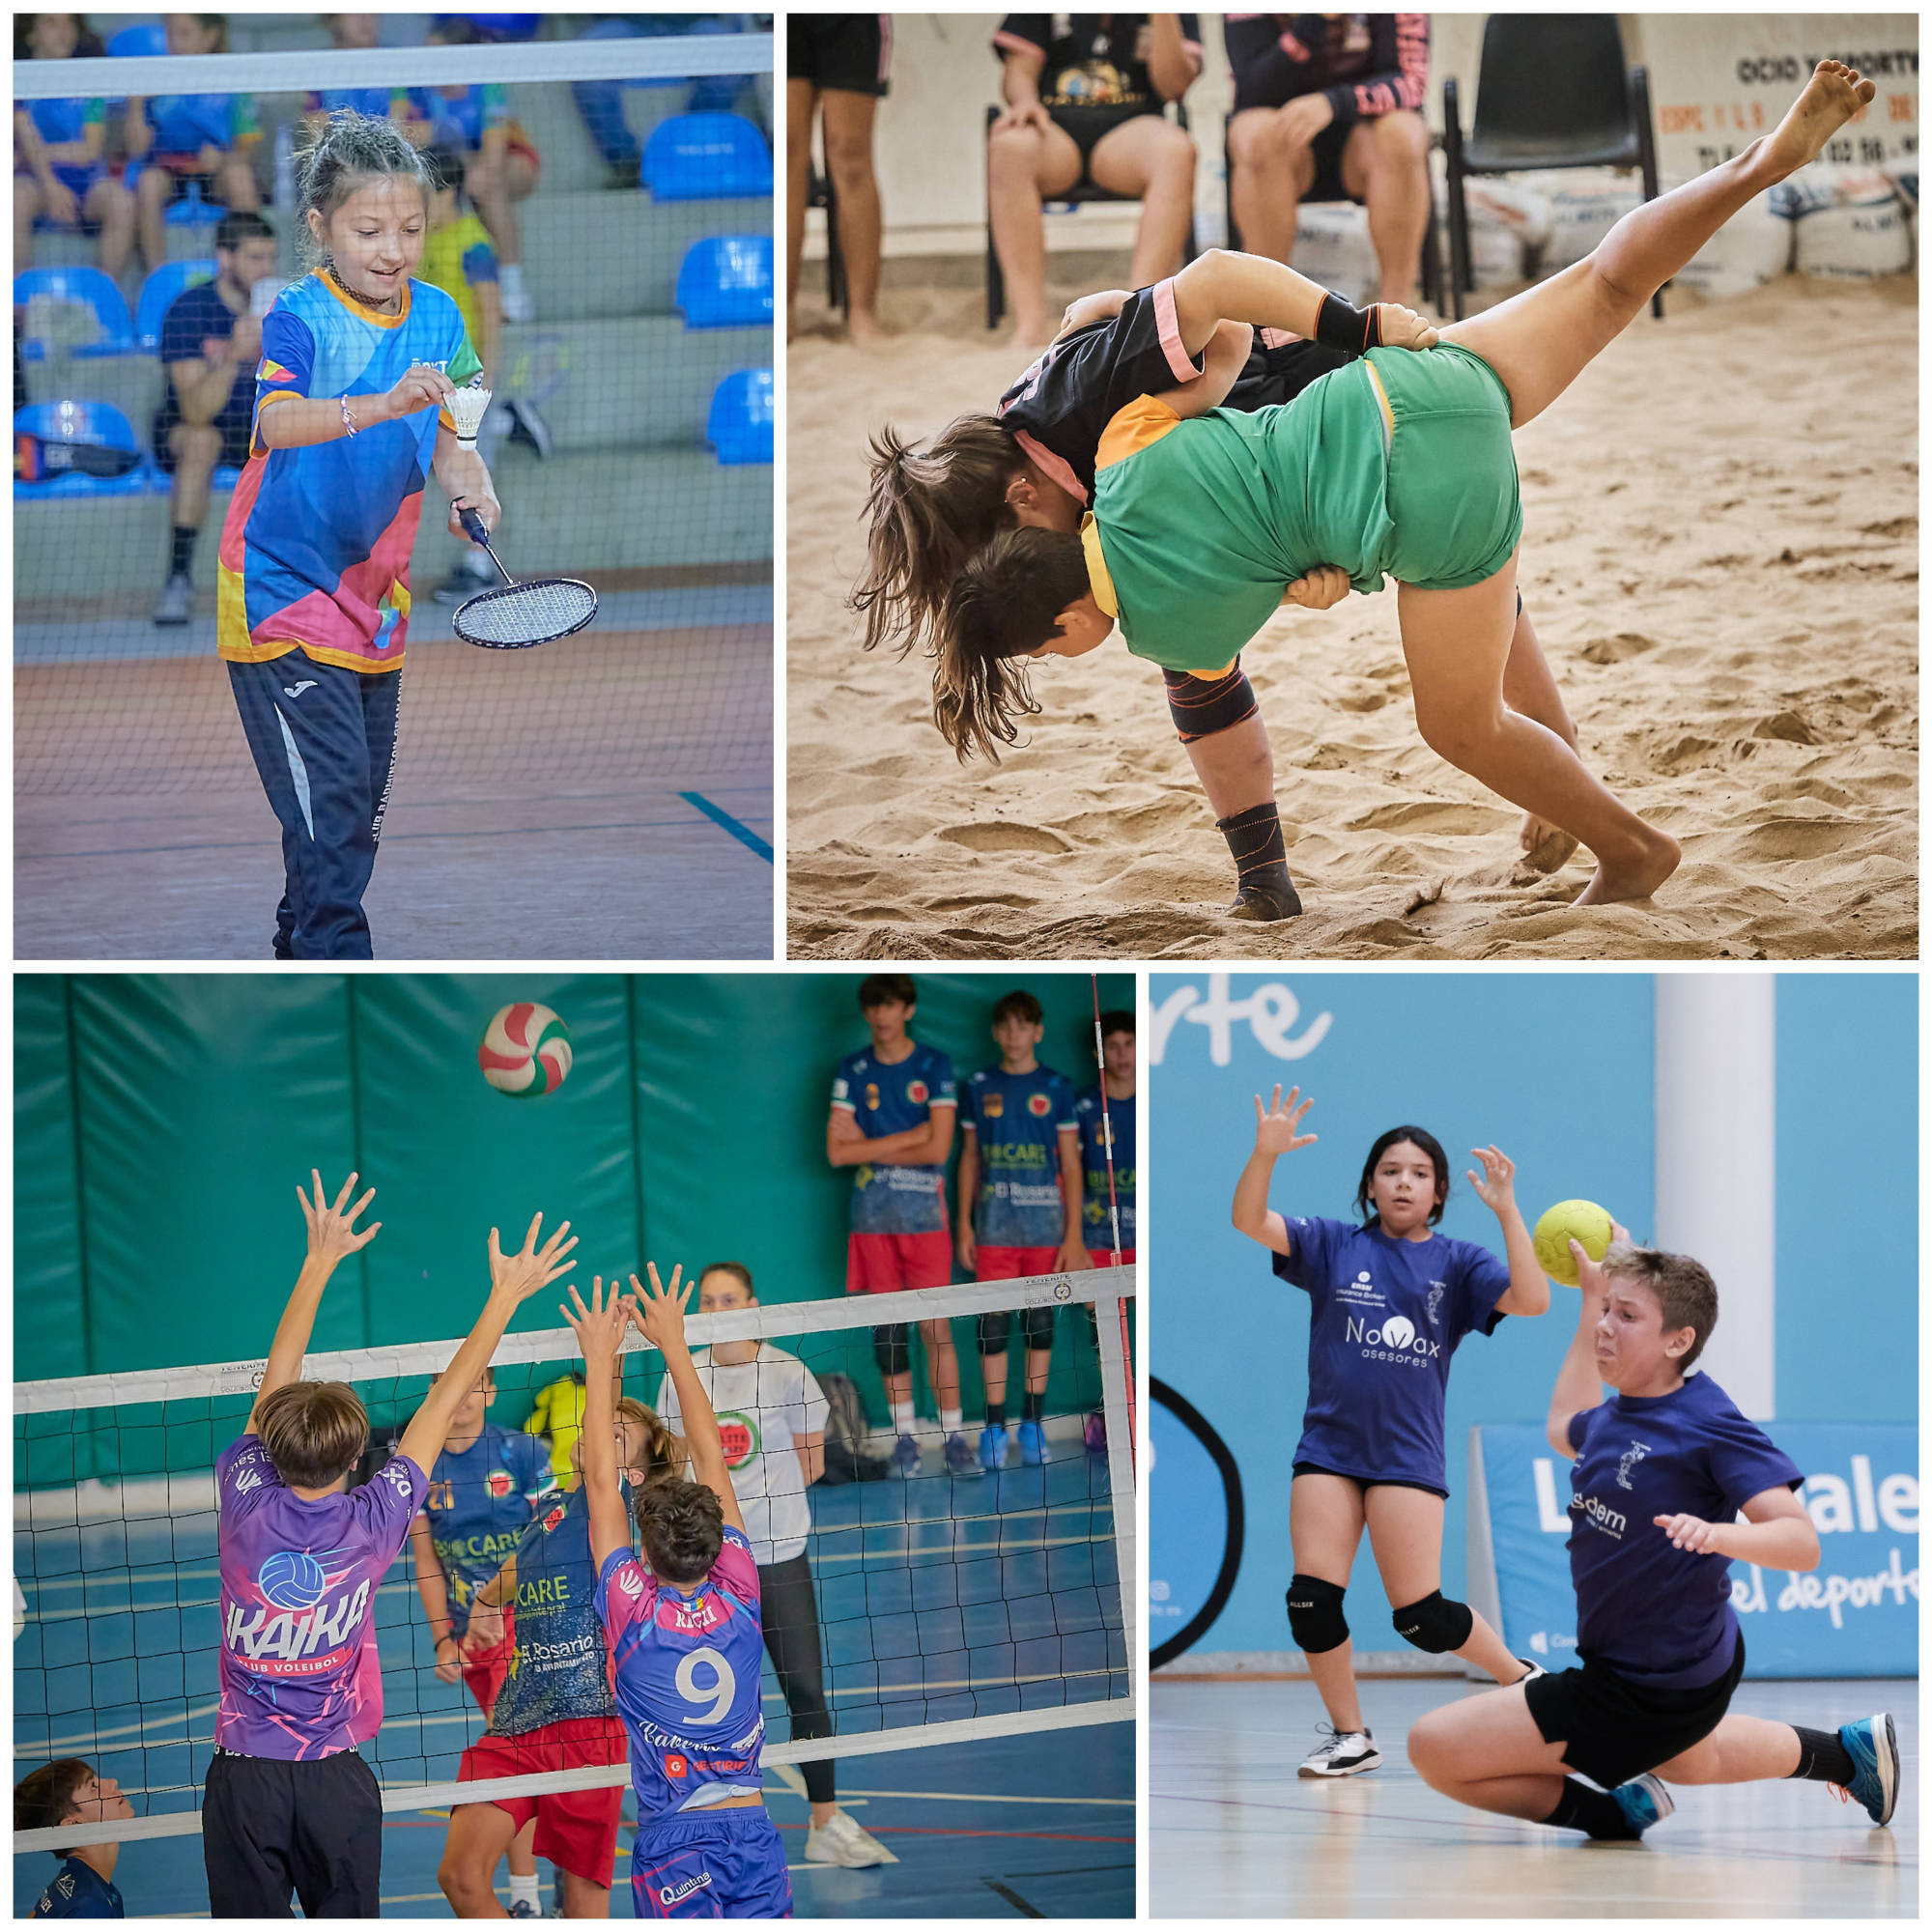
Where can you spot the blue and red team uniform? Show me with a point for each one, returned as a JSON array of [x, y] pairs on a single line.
[[315, 591], [691, 1748], [1094, 1112], [1385, 1317], [557, 1710], [1019, 1215], [80, 1892], [480, 1502], [899, 1237]]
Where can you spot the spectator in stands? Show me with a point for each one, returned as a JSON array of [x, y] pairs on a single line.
[[67, 1792], [211, 342], [601, 102], [207, 139], [835, 67], [1327, 107], [500, 163], [60, 167], [350, 32], [1084, 96]]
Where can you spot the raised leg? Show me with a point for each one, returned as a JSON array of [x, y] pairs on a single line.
[[1406, 1532], [1386, 165], [1153, 159], [848, 159]]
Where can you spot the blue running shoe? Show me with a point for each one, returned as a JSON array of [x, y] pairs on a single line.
[[992, 1446], [1644, 1801], [524, 1909], [1032, 1445], [960, 1459], [905, 1456], [1873, 1743]]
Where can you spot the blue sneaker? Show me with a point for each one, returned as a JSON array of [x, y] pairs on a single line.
[[960, 1459], [905, 1456], [992, 1446], [1644, 1801], [1032, 1445], [524, 1909], [1873, 1743]]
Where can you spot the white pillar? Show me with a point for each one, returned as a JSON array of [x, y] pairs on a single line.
[[1717, 1147]]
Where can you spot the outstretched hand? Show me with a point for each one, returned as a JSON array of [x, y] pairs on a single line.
[[658, 1310], [1403, 328], [599, 1328], [1495, 1185], [1276, 1124], [332, 1234], [520, 1276]]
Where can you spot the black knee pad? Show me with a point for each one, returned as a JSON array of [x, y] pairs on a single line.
[[1036, 1325], [994, 1327], [1200, 706], [1435, 1624], [890, 1348], [1315, 1618]]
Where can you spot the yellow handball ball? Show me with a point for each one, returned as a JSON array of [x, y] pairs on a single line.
[[1581, 1220]]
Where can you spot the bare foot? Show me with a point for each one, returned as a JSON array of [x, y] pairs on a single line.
[[1833, 95], [1545, 847], [864, 331], [1636, 877]]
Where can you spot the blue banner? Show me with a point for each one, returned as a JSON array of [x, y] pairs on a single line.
[[1856, 1615]]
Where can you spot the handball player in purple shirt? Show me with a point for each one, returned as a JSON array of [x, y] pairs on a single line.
[[1664, 1471], [289, 1802], [1390, 1299]]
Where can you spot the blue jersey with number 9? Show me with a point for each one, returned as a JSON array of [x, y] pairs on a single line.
[[687, 1664]]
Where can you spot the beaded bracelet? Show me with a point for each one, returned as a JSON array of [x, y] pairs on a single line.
[[348, 421]]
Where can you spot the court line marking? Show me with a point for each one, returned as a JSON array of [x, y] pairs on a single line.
[[1012, 1898], [740, 832]]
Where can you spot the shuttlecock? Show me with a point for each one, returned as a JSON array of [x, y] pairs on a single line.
[[467, 407]]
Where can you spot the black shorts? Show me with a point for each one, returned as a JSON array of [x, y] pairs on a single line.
[[235, 433], [1280, 374], [1089, 125], [1611, 1729], [269, 1823], [1367, 1482], [848, 53]]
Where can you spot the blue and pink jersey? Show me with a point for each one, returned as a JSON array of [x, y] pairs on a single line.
[[893, 1097], [298, 1671], [315, 554], [479, 1503], [1016, 1119], [688, 1666], [1095, 1113]]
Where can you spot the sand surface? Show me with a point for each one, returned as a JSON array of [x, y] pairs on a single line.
[[1721, 555]]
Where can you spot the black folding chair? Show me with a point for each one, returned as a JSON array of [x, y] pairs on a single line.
[[1432, 248], [820, 193], [996, 282], [1552, 93]]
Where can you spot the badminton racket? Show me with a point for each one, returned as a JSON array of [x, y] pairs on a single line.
[[514, 616]]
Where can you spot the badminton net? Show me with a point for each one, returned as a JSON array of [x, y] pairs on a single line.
[[952, 1606]]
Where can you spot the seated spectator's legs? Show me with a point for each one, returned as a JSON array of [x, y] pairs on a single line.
[[235, 185], [496, 183], [153, 192], [801, 103], [848, 159], [1152, 159], [112, 207], [194, 450], [601, 102], [1270, 169], [29, 203], [1024, 165], [1386, 165]]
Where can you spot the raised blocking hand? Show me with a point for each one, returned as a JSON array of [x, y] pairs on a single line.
[[518, 1276], [332, 1234]]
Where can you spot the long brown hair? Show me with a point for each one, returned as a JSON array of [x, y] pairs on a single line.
[[929, 508], [665, 1453]]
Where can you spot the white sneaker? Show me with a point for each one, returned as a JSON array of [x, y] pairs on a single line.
[[842, 1841], [1344, 1755], [513, 296]]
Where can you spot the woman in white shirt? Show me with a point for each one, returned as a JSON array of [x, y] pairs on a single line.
[[771, 1416]]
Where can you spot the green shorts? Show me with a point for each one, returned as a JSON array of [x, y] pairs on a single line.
[[1452, 484]]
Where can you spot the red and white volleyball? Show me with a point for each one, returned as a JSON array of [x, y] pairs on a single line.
[[525, 1051]]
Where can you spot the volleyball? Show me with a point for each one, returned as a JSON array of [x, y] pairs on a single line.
[[1582, 1220], [525, 1051], [292, 1579]]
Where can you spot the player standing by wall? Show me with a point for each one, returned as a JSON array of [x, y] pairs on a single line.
[[1019, 1208], [892, 1110]]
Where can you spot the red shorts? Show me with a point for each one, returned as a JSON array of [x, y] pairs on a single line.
[[577, 1829], [484, 1670], [884, 1264], [1010, 1263], [1104, 1257]]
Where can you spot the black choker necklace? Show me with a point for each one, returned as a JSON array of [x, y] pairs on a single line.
[[335, 275]]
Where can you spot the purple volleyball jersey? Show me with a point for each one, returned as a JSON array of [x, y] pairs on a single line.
[[688, 1666], [299, 1675]]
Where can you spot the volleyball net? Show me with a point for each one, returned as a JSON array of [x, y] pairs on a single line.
[[950, 1606], [607, 240]]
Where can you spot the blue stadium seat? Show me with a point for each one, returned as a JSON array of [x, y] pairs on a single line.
[[706, 158], [726, 282], [90, 288], [192, 211], [743, 408], [63, 431], [146, 38], [158, 291]]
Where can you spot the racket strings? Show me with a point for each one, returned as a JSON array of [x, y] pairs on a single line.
[[527, 613]]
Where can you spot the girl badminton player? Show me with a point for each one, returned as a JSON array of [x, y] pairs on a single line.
[[482, 1489], [1391, 1299], [359, 363], [1399, 466], [1662, 1471], [685, 1640], [554, 1710]]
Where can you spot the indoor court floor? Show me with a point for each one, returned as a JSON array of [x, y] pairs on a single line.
[[1234, 1833]]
